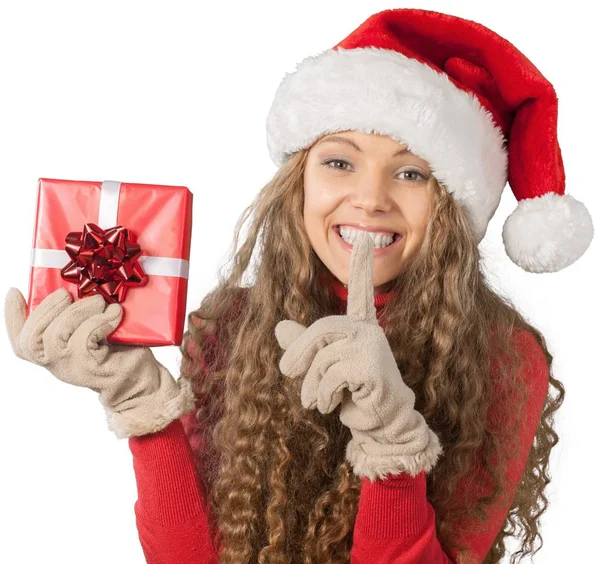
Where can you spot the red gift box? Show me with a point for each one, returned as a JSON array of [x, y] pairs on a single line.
[[157, 218]]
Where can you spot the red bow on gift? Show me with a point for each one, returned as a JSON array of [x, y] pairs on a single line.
[[103, 261]]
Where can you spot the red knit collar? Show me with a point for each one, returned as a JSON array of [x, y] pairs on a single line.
[[342, 292]]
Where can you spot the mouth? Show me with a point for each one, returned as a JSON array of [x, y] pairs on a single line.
[[398, 239]]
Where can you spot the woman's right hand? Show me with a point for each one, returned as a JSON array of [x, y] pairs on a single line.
[[139, 394], [61, 335]]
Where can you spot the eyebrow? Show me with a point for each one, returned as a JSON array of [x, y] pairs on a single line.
[[344, 140]]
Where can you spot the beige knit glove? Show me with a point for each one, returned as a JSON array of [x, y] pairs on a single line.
[[351, 351], [138, 393]]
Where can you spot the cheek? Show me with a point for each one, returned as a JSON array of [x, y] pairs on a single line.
[[321, 189], [417, 211], [318, 193], [311, 218], [314, 221], [318, 212], [319, 204], [424, 221]]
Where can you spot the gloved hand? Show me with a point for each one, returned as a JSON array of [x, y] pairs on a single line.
[[138, 393], [351, 351]]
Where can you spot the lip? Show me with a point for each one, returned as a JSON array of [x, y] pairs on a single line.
[[348, 247], [371, 228]]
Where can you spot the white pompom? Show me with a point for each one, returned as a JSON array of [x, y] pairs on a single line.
[[547, 233]]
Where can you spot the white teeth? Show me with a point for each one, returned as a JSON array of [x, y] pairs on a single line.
[[349, 235]]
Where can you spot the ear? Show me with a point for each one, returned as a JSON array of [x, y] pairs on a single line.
[[287, 331]]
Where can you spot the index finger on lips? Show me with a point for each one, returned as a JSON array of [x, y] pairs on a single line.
[[361, 297], [64, 325]]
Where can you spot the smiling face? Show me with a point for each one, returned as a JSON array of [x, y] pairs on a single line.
[[371, 181]]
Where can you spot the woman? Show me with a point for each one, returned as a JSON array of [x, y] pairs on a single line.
[[353, 404]]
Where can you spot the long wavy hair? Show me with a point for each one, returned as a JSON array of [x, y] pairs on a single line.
[[279, 486]]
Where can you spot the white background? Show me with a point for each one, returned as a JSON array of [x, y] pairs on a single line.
[[178, 93]]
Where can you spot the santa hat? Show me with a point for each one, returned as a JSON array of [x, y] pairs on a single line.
[[461, 97]]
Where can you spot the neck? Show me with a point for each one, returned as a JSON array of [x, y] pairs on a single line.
[[341, 291]]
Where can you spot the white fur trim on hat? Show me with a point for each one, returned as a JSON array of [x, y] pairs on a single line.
[[375, 90], [547, 233]]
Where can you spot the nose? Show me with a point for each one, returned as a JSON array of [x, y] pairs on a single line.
[[371, 192]]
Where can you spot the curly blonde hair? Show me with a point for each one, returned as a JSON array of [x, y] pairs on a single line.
[[279, 486]]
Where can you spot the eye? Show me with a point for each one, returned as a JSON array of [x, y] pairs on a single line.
[[414, 171], [420, 176], [327, 163]]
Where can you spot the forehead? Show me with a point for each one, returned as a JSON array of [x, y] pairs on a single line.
[[359, 138], [360, 141]]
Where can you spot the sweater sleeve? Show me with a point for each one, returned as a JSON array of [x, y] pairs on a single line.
[[172, 510], [395, 523]]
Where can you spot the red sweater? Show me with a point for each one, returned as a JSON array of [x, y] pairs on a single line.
[[395, 523]]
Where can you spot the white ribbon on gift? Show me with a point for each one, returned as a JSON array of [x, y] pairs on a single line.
[[107, 218]]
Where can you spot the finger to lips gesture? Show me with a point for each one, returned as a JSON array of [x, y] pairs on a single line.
[[344, 351]]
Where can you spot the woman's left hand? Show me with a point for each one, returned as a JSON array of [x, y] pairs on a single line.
[[351, 352]]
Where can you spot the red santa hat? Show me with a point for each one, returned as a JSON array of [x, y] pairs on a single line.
[[461, 97]]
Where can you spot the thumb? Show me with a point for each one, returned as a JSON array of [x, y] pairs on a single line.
[[287, 331], [89, 336], [15, 314]]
